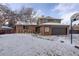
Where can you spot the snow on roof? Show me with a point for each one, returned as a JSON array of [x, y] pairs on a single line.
[[75, 22], [25, 23], [20, 23], [6, 27], [51, 23], [33, 23], [48, 17]]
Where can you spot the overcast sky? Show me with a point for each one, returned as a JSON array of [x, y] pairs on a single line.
[[57, 10]]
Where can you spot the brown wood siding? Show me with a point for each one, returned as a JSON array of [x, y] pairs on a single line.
[[27, 29], [19, 29], [42, 30], [31, 29], [52, 29], [47, 33]]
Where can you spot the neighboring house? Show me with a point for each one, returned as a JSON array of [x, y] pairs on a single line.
[[6, 30], [75, 23], [75, 27]]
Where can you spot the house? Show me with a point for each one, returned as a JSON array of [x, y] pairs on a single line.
[[75, 27], [23, 27], [75, 23], [44, 26], [6, 30]]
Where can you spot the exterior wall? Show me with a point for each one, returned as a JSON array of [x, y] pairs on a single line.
[[27, 29], [40, 21], [43, 32], [19, 28], [45, 20], [31, 29]]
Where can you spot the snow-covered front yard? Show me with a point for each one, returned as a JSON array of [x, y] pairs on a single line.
[[35, 45]]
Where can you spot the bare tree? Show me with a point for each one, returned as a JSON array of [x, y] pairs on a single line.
[[7, 14], [27, 14], [3, 9]]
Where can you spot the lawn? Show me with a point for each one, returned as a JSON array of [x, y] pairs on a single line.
[[36, 45]]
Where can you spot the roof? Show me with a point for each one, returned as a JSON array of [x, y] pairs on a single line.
[[6, 27], [25, 23], [51, 23], [48, 17]]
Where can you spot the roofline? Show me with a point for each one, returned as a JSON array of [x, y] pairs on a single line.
[[50, 18], [45, 25], [25, 24], [53, 25]]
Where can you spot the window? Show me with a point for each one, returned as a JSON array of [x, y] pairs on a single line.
[[46, 29]]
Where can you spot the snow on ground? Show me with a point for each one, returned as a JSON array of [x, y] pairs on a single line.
[[36, 45]]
